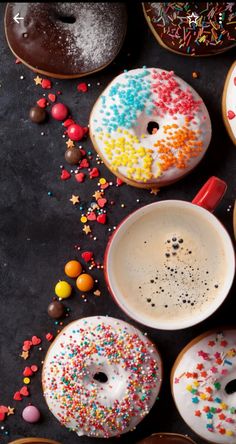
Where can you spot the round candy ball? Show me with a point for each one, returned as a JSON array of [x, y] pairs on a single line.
[[73, 269], [85, 282], [63, 289], [75, 132], [31, 414], [56, 310], [37, 114], [73, 156], [59, 111]]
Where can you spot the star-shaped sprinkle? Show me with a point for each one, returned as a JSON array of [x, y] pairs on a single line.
[[97, 293], [98, 195], [70, 143], [74, 199], [87, 229], [11, 411], [154, 191], [24, 355], [38, 80]]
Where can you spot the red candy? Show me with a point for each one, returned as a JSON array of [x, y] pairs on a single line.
[[35, 340], [82, 87], [24, 391], [75, 132], [101, 219], [94, 173], [68, 122], [59, 111], [87, 256], [27, 371], [84, 163]]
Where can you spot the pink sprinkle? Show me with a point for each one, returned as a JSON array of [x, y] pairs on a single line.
[[230, 115]]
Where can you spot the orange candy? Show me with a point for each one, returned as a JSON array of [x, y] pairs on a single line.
[[85, 282], [73, 269]]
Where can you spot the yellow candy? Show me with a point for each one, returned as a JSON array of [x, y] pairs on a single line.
[[83, 219], [26, 380], [63, 289]]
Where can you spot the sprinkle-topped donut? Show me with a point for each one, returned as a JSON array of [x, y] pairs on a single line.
[[150, 127], [204, 386], [66, 40], [193, 28], [229, 103], [101, 376]]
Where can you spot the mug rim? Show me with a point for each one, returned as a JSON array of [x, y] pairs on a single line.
[[181, 324]]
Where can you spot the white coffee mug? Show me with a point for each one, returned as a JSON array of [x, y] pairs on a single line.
[[199, 212]]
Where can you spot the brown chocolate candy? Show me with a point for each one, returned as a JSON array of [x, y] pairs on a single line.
[[37, 114], [73, 156], [56, 310], [167, 438]]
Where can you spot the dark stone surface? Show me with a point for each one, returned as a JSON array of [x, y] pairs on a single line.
[[38, 232]]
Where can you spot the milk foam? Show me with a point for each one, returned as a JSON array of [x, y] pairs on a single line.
[[170, 264]]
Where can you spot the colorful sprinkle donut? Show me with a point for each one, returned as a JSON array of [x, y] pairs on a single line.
[[150, 127], [101, 376], [204, 386], [193, 28], [229, 103]]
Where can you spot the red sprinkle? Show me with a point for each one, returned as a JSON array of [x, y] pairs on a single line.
[[17, 396], [87, 256], [84, 163], [27, 371], [34, 368], [18, 61], [119, 182], [46, 84], [24, 391], [65, 175], [94, 173], [91, 216], [42, 103], [52, 97], [82, 87], [102, 202], [80, 177], [101, 219], [49, 336], [68, 122], [230, 115], [35, 340]]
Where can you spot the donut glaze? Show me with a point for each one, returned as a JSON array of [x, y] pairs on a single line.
[[194, 28], [66, 39], [203, 386], [121, 127], [167, 438], [34, 441], [101, 376], [229, 103]]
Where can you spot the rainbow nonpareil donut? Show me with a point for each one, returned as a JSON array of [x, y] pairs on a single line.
[[204, 386], [150, 127], [101, 376]]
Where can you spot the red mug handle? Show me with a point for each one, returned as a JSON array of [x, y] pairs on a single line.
[[210, 194]]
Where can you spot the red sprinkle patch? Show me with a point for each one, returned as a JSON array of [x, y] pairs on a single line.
[[35, 340], [102, 202]]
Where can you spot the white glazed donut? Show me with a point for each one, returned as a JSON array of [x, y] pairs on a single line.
[[229, 102], [101, 376], [150, 127], [204, 386]]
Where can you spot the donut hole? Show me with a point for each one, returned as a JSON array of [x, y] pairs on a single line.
[[100, 377], [230, 388], [66, 18], [152, 127]]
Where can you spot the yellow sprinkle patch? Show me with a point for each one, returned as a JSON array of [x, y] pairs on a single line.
[[26, 380], [83, 219]]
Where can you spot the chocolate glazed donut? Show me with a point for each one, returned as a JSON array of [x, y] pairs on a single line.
[[167, 438], [66, 40]]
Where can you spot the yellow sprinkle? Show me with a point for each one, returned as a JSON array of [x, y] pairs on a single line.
[[203, 396], [83, 219], [196, 383], [189, 388], [229, 432], [223, 406], [26, 380], [102, 181]]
